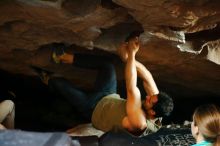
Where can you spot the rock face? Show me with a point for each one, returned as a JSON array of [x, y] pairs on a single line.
[[171, 28]]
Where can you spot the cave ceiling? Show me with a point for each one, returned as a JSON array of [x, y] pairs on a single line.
[[180, 43]]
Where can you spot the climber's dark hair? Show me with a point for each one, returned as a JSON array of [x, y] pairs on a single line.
[[164, 106]]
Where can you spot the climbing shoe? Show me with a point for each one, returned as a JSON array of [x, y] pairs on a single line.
[[56, 52], [42, 73]]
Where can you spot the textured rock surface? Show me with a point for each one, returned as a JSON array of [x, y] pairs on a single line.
[[28, 26]]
